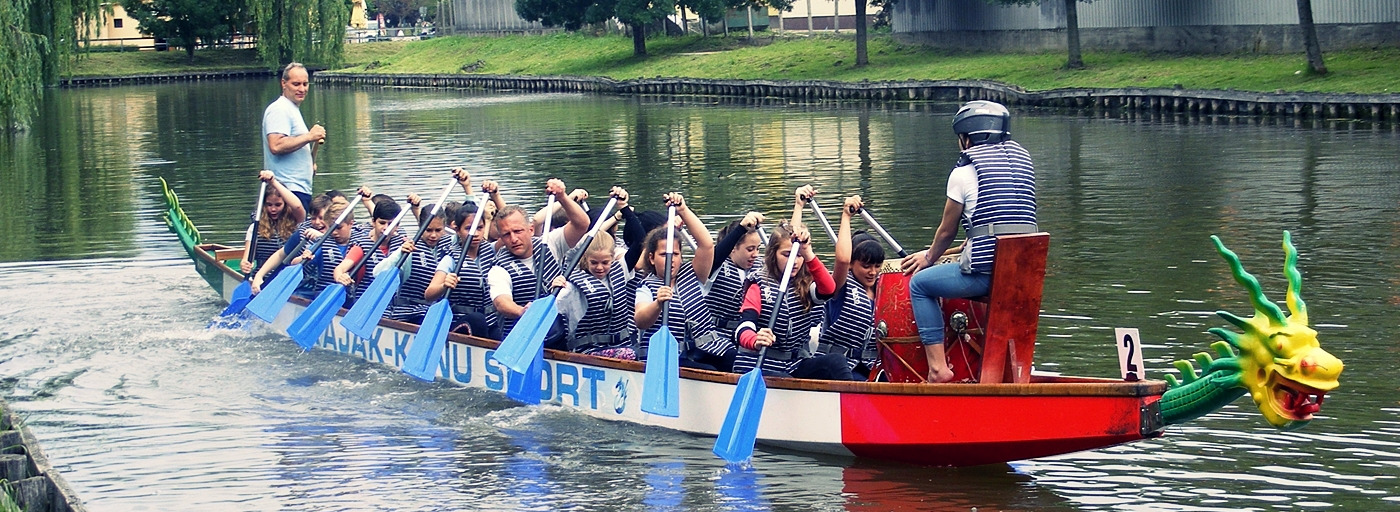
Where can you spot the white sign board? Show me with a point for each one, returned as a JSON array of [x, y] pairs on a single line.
[[1129, 354]]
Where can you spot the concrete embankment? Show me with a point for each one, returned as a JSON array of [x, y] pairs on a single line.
[[32, 481], [1370, 107]]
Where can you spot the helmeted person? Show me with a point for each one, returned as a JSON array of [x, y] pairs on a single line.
[[991, 191]]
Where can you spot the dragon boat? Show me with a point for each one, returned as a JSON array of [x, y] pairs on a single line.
[[1001, 412]]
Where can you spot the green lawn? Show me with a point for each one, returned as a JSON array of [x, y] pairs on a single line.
[[829, 57]]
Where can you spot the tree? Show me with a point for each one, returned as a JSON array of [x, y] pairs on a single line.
[[573, 14], [185, 23], [1305, 21], [300, 30], [1076, 59], [399, 13], [38, 41]]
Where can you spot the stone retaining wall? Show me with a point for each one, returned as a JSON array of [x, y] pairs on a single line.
[[1373, 107], [36, 486], [189, 76]]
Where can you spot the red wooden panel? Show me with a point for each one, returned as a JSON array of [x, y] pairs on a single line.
[[1018, 278]]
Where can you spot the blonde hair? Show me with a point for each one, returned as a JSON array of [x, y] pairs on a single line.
[[603, 243]]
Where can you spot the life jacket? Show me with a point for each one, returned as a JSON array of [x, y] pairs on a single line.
[[325, 262], [792, 332], [607, 320], [726, 296], [1005, 200], [409, 303], [472, 294], [848, 325], [690, 320], [523, 288]]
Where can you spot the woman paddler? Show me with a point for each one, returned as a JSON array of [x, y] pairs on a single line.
[[991, 191], [282, 211], [690, 320], [798, 312], [738, 245], [848, 328]]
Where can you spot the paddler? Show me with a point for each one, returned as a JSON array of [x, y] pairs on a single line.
[[596, 298], [1000, 172], [523, 255], [848, 327], [738, 246], [690, 320], [282, 211]]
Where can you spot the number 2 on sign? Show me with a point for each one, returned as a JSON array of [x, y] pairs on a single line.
[[1129, 353]]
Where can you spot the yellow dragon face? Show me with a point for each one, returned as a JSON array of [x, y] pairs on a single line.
[[1286, 372]]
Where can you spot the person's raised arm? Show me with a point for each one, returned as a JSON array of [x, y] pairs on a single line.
[[293, 203], [825, 285], [634, 234], [842, 268], [578, 219], [491, 188], [799, 204], [704, 259], [365, 192]]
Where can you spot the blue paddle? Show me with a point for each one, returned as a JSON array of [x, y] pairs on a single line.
[[525, 387], [519, 347], [267, 303], [369, 308], [740, 429], [661, 389], [307, 328], [426, 352], [244, 292]]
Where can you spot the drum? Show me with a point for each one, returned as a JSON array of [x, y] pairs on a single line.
[[902, 354]]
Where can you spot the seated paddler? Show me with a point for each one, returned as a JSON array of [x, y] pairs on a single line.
[[990, 192]]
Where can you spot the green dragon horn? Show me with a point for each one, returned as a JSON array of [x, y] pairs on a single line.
[[1250, 283], [1296, 306]]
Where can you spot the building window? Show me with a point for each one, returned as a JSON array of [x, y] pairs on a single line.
[[116, 23]]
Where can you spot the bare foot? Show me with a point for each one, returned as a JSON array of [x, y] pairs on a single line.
[[936, 375]]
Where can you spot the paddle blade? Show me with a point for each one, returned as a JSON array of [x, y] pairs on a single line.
[[525, 387], [369, 308], [426, 352], [518, 350], [266, 304], [241, 295], [661, 388], [740, 429], [308, 327]]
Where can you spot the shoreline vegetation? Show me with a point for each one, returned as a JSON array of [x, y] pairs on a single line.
[[799, 57]]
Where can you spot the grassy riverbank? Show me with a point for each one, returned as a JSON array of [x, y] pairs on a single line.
[[830, 58], [174, 61]]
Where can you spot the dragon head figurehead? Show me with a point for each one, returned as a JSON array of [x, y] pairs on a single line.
[[1280, 363]]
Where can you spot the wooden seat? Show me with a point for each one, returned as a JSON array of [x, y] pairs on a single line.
[[1013, 307]]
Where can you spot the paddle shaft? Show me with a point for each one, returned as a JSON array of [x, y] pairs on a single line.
[[548, 221], [865, 213], [825, 223], [666, 274], [251, 239], [778, 303]]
